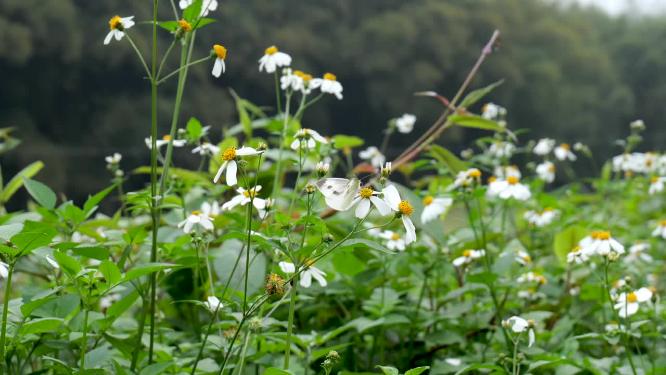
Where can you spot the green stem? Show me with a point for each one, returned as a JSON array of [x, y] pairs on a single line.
[[516, 368], [625, 333], [283, 134], [290, 326], [84, 343], [298, 177], [153, 181], [164, 58], [244, 352], [5, 310], [277, 92], [203, 343], [184, 67], [247, 255], [138, 53]]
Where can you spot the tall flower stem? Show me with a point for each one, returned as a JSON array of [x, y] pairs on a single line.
[[625, 341], [516, 368], [290, 324], [5, 310], [283, 134], [249, 235], [84, 343], [203, 343], [153, 180]]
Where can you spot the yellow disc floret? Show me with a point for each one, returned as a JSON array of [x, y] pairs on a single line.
[[196, 212], [467, 253], [427, 201], [565, 146], [250, 193], [405, 208], [512, 180], [330, 77], [116, 23], [601, 235], [220, 51], [166, 137], [271, 50], [632, 298], [229, 154], [366, 192], [395, 236], [474, 173], [184, 25]]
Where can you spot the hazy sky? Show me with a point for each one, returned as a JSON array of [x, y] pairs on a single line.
[[644, 7]]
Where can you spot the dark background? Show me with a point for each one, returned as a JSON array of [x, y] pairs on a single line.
[[571, 73]]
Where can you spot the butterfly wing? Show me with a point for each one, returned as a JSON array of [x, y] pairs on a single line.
[[339, 193]]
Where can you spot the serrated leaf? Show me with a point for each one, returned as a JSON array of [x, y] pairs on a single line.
[[41, 193]]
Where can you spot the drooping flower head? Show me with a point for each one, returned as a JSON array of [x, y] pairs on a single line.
[[117, 26], [220, 53]]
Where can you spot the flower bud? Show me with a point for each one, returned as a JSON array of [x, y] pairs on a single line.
[[274, 285]]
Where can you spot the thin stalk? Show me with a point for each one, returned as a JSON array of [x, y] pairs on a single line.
[[84, 343], [625, 341], [203, 343], [195, 62], [138, 53], [298, 177], [290, 326], [247, 255], [5, 310], [164, 58], [277, 92], [243, 352], [153, 181], [283, 134], [516, 368]]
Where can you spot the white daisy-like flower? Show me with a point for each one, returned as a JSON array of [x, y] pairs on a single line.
[[207, 149], [492, 111], [468, 256], [307, 275], [220, 55], [113, 159], [322, 168], [52, 262], [108, 300], [210, 209], [546, 171], [373, 154], [639, 251], [521, 325], [613, 327], [244, 197], [523, 258], [405, 123], [307, 138], [393, 240], [404, 210], [531, 277], [501, 149], [4, 270], [509, 188], [577, 255], [530, 294], [627, 304], [504, 171], [543, 218], [328, 84], [660, 230], [656, 185], [600, 243], [206, 6], [273, 59], [213, 304], [117, 26], [165, 141], [466, 179], [433, 207], [229, 163], [365, 199], [296, 81], [196, 219], [563, 152], [544, 146]]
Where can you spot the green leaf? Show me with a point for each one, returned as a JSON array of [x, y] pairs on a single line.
[[194, 129], [243, 115], [38, 300], [32, 236], [341, 141], [41, 325], [447, 158], [93, 252], [363, 243], [122, 305], [417, 370], [387, 370], [15, 183], [41, 193], [192, 12], [566, 240], [476, 122], [158, 368], [146, 269], [67, 263], [476, 95], [91, 203], [170, 26], [276, 371], [481, 366], [203, 22], [110, 272]]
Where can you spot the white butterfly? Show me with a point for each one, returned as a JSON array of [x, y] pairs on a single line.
[[339, 193]]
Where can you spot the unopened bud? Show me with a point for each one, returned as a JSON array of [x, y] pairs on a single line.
[[262, 146], [310, 189], [637, 125], [322, 168], [386, 169]]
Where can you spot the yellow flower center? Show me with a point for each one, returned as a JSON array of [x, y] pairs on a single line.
[[548, 209], [405, 208], [575, 249], [512, 180], [229, 154], [330, 77], [467, 253], [601, 235], [492, 179], [116, 23], [526, 258], [220, 51], [395, 236], [196, 212], [271, 50], [654, 179], [184, 25], [366, 192], [166, 137], [251, 193], [308, 263], [540, 279], [565, 146], [551, 168], [662, 223], [427, 201], [474, 173], [632, 298]]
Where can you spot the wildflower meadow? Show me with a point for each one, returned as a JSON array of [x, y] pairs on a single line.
[[288, 250]]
